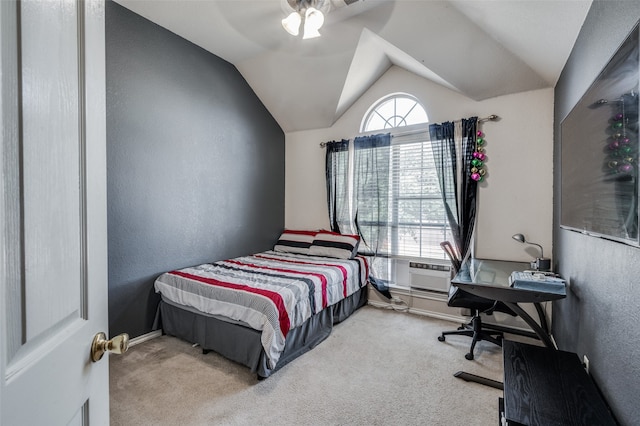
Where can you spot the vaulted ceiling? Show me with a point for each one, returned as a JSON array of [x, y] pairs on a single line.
[[479, 48]]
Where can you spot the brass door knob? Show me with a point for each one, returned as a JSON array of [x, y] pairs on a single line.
[[100, 345]]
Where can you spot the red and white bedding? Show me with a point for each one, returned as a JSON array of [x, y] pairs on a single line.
[[271, 291]]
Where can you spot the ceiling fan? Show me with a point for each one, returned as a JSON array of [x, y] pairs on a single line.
[[309, 14]]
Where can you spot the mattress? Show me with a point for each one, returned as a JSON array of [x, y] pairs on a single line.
[[271, 292]]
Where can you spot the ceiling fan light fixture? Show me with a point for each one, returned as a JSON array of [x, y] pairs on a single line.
[[291, 23], [308, 14], [313, 21], [310, 33]]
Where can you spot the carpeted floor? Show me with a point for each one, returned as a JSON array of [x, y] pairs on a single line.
[[379, 367]]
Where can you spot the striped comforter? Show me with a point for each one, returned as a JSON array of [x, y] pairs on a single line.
[[270, 291]]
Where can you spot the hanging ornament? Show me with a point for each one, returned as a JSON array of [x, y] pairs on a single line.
[[479, 156]]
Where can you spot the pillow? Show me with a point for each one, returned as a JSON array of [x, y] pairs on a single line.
[[295, 241], [331, 244]]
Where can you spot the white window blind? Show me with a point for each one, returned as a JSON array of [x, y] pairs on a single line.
[[419, 222]]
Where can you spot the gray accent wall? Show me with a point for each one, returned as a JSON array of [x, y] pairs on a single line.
[[601, 315], [195, 164]]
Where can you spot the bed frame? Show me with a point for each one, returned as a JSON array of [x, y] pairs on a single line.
[[242, 344]]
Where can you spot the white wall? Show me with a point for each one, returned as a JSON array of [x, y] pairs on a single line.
[[517, 193]]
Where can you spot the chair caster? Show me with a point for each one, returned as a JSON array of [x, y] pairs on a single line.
[[441, 338], [469, 356]]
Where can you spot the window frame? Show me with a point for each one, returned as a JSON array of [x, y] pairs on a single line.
[[420, 132], [376, 106]]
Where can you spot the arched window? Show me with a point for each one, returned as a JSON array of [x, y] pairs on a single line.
[[417, 213], [395, 110]]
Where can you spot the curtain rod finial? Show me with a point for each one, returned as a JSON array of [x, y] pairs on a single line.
[[492, 117]]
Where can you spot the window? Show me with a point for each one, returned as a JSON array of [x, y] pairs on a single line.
[[417, 214], [397, 110]]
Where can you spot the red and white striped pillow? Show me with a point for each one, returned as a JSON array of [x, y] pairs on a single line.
[[295, 241], [331, 244]]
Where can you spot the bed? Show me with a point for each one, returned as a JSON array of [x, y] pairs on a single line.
[[266, 309]]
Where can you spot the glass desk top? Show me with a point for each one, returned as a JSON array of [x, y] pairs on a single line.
[[490, 279]]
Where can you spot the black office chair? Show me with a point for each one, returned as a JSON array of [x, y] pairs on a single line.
[[478, 305]]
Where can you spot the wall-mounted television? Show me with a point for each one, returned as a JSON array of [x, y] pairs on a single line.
[[600, 152]]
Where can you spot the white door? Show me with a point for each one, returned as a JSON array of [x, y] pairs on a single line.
[[53, 264]]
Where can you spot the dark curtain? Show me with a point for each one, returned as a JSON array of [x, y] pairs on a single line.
[[336, 171], [369, 197], [453, 164], [445, 157], [372, 157]]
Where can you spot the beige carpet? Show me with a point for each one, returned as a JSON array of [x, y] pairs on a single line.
[[379, 367]]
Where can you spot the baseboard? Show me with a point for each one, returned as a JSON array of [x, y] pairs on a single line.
[[436, 313], [145, 337], [425, 313], [439, 315]]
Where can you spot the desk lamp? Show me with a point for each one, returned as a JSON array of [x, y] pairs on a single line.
[[540, 264]]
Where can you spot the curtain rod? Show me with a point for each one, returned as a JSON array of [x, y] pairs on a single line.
[[491, 117]]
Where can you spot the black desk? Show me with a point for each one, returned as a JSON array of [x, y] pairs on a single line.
[[490, 279], [548, 387]]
